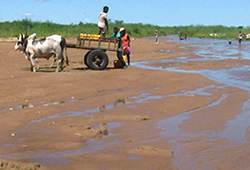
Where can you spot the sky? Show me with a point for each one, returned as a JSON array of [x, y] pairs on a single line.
[[155, 12]]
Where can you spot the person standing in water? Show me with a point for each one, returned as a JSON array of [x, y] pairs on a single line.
[[156, 37], [240, 37], [103, 21]]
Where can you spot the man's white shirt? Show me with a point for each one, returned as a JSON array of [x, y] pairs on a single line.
[[102, 18]]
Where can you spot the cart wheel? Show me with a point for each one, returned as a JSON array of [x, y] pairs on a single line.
[[85, 59], [97, 60]]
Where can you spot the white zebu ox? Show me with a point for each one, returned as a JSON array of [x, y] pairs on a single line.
[[44, 48]]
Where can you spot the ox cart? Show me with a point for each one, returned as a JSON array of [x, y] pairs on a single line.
[[96, 57]]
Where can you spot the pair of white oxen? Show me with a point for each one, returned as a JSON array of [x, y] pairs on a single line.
[[34, 49]]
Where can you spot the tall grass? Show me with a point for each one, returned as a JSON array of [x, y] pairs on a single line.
[[12, 29]]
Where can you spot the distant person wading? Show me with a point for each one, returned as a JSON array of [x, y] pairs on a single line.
[[240, 37], [156, 37]]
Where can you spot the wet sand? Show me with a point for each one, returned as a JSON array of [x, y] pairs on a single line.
[[132, 118]]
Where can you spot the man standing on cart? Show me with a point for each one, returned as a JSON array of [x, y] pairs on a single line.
[[103, 21]]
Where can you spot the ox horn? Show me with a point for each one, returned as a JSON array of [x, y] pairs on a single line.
[[21, 36], [26, 35]]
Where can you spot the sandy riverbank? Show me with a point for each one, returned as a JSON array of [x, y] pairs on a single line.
[[84, 119]]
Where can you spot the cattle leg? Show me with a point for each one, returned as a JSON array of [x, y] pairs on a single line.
[[54, 60], [59, 64], [31, 67], [32, 64], [37, 63], [62, 63]]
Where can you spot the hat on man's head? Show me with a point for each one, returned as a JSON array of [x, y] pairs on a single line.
[[122, 29]]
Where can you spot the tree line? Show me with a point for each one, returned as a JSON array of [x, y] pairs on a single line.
[[12, 29]]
